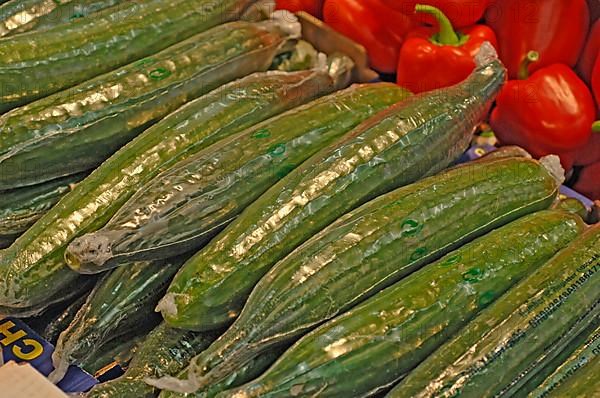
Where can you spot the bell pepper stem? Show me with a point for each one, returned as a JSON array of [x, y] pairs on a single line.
[[447, 35], [531, 57], [596, 126]]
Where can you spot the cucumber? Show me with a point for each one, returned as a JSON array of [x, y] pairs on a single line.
[[249, 371], [33, 268], [77, 129], [398, 146], [369, 249], [510, 151], [122, 300], [584, 384], [21, 208], [57, 325], [37, 64], [502, 348], [165, 351], [117, 352], [397, 328], [183, 208], [572, 205], [19, 16], [582, 356]]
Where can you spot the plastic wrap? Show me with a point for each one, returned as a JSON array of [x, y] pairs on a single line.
[[165, 351], [33, 268], [77, 129], [37, 64], [19, 16], [185, 206], [122, 302], [511, 340], [398, 146], [368, 348], [21, 208]]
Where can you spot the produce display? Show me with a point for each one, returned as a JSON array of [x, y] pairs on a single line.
[[300, 198]]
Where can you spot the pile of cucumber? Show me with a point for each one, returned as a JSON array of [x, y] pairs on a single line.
[[190, 193]]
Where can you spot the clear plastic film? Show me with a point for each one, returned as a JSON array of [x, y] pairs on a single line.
[[77, 129], [32, 269], [196, 198], [122, 302]]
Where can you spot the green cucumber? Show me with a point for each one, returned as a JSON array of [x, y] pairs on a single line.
[[511, 340], [572, 205], [165, 351], [583, 355], [117, 352], [122, 300], [510, 151], [183, 208], [251, 370], [396, 147], [399, 327], [584, 384], [19, 16], [21, 208], [79, 128], [37, 64], [33, 268], [367, 250], [57, 325]]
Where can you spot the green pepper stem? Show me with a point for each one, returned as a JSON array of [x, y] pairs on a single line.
[[447, 35], [596, 126], [531, 57]]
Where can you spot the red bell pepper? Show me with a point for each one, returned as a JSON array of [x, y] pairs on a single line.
[[313, 7], [556, 29], [378, 28], [434, 58], [461, 13], [590, 54], [588, 182], [551, 112], [596, 82]]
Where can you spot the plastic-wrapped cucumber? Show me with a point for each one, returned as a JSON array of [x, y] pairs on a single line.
[[116, 352], [396, 147], [366, 349], [165, 351], [368, 249], [187, 205], [584, 384], [33, 268], [78, 128], [581, 356], [21, 208], [37, 64], [572, 205], [249, 371], [511, 340], [57, 325], [121, 301], [19, 16]]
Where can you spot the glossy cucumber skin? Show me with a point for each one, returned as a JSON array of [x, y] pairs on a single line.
[[583, 355], [122, 301], [372, 247], [251, 370], [165, 351], [184, 207], [19, 16], [21, 208], [33, 268], [397, 328], [116, 352], [410, 140], [508, 151], [79, 128], [37, 64], [56, 326], [572, 205], [511, 340], [583, 385]]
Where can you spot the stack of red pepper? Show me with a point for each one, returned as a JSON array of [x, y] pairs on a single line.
[[550, 51]]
